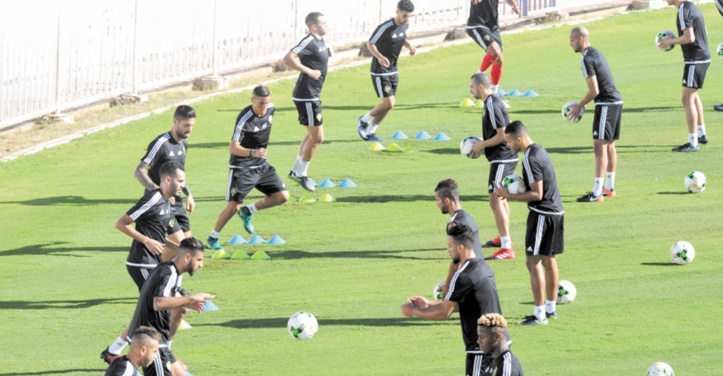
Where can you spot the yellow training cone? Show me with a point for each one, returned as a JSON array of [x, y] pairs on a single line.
[[220, 254], [467, 103], [327, 198], [394, 148], [376, 147]]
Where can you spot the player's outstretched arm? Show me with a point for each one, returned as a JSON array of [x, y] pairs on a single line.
[[194, 301], [515, 8], [141, 175], [437, 310]]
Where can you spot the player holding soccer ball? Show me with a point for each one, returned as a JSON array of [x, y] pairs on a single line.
[[608, 112], [693, 40]]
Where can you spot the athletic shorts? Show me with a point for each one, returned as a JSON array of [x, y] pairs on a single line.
[[694, 75], [545, 234], [499, 171], [386, 85], [242, 181], [606, 125], [139, 274], [309, 113], [180, 217], [161, 364], [483, 36]]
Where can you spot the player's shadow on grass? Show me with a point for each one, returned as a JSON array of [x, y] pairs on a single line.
[[402, 198], [93, 371], [295, 254], [658, 264], [63, 304], [224, 145], [280, 322], [674, 193], [71, 201], [54, 250]]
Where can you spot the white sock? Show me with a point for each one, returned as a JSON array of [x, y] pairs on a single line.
[[693, 139], [505, 242], [495, 89], [372, 129], [215, 234], [296, 165], [252, 208], [367, 118], [117, 347], [610, 181], [169, 344], [303, 167], [597, 187], [550, 306], [540, 312], [701, 130]]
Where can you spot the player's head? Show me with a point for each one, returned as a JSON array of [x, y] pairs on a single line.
[[405, 11], [460, 239], [579, 38], [260, 99], [144, 345], [480, 85], [190, 255], [316, 22], [491, 332], [173, 177], [516, 136], [183, 120], [446, 193]]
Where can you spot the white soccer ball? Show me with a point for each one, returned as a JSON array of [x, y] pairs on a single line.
[[465, 147], [302, 325], [566, 111], [566, 292], [662, 35], [695, 182], [438, 291], [660, 369], [514, 184], [719, 50], [682, 253]]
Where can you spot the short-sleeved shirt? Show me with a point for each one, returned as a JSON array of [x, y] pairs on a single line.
[[164, 281], [537, 166], [594, 64], [162, 149], [251, 132], [474, 290], [495, 117], [389, 39], [121, 367], [485, 13], [506, 364], [689, 16], [461, 217], [313, 54], [153, 219]]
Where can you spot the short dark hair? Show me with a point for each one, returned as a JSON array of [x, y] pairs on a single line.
[[312, 18], [461, 234], [261, 91], [447, 188], [405, 6], [191, 245], [516, 129], [184, 112], [169, 168], [142, 333], [481, 78]]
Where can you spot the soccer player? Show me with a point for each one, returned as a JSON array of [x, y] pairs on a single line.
[[161, 295], [171, 146], [144, 348], [608, 112], [693, 40], [503, 161], [472, 291], [545, 221], [248, 167], [483, 27], [310, 58], [153, 218], [500, 361], [386, 45]]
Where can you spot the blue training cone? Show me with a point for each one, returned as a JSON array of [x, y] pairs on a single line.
[[276, 240], [347, 183], [423, 135], [501, 92], [399, 135], [236, 240], [441, 136], [208, 306], [257, 240], [515, 93], [531, 94], [326, 184]]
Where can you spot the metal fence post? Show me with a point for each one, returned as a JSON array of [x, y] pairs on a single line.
[[57, 67], [134, 89], [214, 46]]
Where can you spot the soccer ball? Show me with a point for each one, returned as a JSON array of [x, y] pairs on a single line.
[[719, 50], [695, 182], [566, 111], [438, 291], [302, 325], [682, 253], [662, 35], [514, 184], [465, 147], [566, 292], [660, 369]]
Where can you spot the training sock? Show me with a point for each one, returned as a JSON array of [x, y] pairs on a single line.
[[495, 89], [215, 234], [597, 187], [367, 118], [693, 139], [372, 128], [701, 130], [486, 62], [251, 208], [550, 306], [540, 312], [610, 180], [496, 74], [303, 167], [296, 165], [505, 242], [117, 347]]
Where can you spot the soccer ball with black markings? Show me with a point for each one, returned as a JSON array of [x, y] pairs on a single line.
[[695, 182], [662, 35], [682, 253], [567, 108], [566, 292], [302, 326], [465, 147], [719, 50], [514, 184], [660, 369]]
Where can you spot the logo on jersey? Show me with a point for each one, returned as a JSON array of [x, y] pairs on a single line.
[[387, 89], [321, 48], [171, 154], [394, 35]]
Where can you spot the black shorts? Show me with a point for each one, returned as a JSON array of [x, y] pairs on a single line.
[[180, 217], [385, 85], [499, 171], [483, 36], [606, 125], [309, 113], [242, 181], [160, 366], [545, 234], [139, 274], [694, 75]]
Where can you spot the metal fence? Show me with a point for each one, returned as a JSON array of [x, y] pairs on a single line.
[[55, 56]]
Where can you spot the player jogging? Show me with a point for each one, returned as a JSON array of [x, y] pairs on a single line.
[[144, 348]]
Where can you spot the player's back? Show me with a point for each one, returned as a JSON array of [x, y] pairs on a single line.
[[121, 367]]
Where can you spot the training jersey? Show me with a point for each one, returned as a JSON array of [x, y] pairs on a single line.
[[484, 13], [121, 367], [164, 281], [152, 215], [251, 132], [594, 64], [389, 39], [313, 54], [474, 290], [162, 149], [506, 364], [495, 117], [461, 217], [537, 166], [689, 16]]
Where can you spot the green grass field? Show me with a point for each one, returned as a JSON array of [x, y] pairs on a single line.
[[66, 294]]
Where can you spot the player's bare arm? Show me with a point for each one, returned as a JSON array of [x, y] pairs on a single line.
[[515, 8], [534, 194], [235, 148], [411, 48], [383, 61], [141, 175], [292, 61], [437, 310], [592, 91], [194, 301], [124, 224], [688, 37]]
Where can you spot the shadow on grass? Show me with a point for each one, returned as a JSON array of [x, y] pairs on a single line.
[[272, 143], [296, 254], [401, 198], [361, 108], [280, 322], [52, 249], [674, 193], [63, 304], [94, 371], [658, 264], [74, 201]]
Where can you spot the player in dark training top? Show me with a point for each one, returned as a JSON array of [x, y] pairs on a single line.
[[498, 359], [693, 40], [386, 45], [310, 57], [144, 348], [545, 221], [608, 113], [171, 146], [483, 27], [503, 161], [248, 167]]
